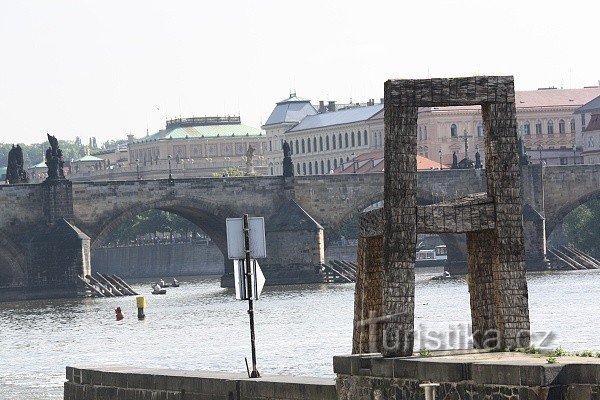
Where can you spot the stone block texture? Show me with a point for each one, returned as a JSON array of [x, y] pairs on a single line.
[[492, 221]]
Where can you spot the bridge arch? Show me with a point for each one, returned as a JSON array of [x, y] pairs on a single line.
[[556, 218], [208, 216], [12, 262]]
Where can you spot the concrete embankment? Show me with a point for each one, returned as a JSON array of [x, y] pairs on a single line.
[[157, 384], [177, 259]]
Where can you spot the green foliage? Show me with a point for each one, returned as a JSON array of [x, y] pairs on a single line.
[[531, 350], [585, 353], [558, 352], [151, 221], [551, 360], [35, 153], [231, 172], [581, 227], [425, 353]]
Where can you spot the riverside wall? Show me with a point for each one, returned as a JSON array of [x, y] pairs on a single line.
[[159, 260], [177, 259], [131, 383]]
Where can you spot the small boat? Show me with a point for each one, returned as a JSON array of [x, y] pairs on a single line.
[[157, 289], [444, 277]]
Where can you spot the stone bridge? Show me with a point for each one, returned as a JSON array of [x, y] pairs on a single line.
[[297, 210]]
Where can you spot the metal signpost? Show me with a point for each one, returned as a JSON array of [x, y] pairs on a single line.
[[245, 243]]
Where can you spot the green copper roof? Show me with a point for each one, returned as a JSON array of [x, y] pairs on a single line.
[[206, 131]]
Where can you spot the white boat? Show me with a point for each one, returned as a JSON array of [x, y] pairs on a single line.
[[432, 257]]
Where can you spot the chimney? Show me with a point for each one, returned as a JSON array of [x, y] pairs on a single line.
[[130, 138], [322, 108], [381, 100], [331, 106], [371, 102]]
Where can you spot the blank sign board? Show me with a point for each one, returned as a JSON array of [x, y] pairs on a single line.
[[235, 238]]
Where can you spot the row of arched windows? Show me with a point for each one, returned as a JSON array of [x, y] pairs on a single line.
[[320, 167], [550, 128], [333, 142], [526, 128]]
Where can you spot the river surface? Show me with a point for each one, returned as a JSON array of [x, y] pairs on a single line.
[[298, 328]]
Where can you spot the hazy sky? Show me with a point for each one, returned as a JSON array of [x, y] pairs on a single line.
[[107, 68]]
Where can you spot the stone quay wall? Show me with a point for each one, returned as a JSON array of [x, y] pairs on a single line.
[[159, 260], [177, 259], [369, 377], [130, 383]]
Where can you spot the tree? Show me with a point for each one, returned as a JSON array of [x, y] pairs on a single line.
[[582, 227]]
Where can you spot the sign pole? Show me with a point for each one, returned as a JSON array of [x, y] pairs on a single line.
[[249, 289]]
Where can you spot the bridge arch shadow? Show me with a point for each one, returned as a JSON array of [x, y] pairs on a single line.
[[559, 216], [12, 261], [208, 216]]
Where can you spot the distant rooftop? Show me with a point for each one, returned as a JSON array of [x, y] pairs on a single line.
[[592, 105], [291, 110], [346, 116], [203, 121], [89, 158], [203, 127]]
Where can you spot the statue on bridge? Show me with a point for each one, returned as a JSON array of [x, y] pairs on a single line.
[[249, 160], [288, 166], [15, 171], [54, 160]]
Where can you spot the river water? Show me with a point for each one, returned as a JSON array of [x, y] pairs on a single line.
[[298, 328]]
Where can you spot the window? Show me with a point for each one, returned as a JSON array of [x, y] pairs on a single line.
[[298, 168], [346, 139], [352, 140], [453, 131], [561, 126], [572, 125], [538, 127], [335, 164], [303, 149], [292, 149], [582, 122], [564, 161], [420, 133], [323, 167], [320, 143], [479, 130], [304, 168], [550, 127], [297, 150], [365, 141], [309, 145], [310, 168], [527, 128], [315, 144], [358, 135], [270, 146], [340, 140], [328, 166], [327, 142], [425, 132], [333, 141]]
